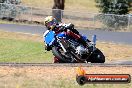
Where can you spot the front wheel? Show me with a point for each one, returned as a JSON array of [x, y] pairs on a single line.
[[57, 52], [97, 57]]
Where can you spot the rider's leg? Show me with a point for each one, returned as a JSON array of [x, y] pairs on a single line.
[[77, 37], [73, 35]]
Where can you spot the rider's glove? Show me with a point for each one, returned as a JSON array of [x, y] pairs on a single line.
[[48, 48], [62, 28], [69, 26]]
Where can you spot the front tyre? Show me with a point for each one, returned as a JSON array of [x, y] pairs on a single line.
[[57, 54], [97, 57], [61, 58]]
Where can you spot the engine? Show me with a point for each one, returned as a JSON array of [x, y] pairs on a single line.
[[82, 52]]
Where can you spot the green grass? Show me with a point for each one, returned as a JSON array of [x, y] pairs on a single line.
[[12, 50]]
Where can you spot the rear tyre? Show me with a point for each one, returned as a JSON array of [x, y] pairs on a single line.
[[97, 57]]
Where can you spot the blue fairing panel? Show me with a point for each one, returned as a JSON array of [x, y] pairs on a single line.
[[84, 37], [49, 38], [61, 35]]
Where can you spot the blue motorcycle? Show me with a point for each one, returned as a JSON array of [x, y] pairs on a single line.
[[69, 50]]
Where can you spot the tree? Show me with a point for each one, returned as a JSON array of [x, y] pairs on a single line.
[[8, 12], [2, 1], [57, 9], [130, 5], [11, 1], [117, 7], [59, 4]]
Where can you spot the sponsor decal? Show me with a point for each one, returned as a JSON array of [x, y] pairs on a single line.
[[82, 78]]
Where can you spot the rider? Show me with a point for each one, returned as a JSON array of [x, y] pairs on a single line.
[[52, 24]]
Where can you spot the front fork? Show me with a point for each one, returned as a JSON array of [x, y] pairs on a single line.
[[94, 42], [65, 47], [62, 47], [63, 44]]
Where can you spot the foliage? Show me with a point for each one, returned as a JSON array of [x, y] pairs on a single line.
[[58, 4], [113, 22], [117, 7], [9, 11], [2, 1]]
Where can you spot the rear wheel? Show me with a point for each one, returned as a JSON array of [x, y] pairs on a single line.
[[97, 57]]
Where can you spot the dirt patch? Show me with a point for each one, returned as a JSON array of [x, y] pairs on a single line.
[[60, 72], [21, 36], [115, 51], [55, 77]]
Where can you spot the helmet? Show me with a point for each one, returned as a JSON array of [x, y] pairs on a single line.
[[50, 22]]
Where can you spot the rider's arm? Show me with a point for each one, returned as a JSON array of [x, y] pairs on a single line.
[[48, 48], [70, 26]]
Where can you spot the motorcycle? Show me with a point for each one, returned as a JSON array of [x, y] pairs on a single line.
[[68, 50]]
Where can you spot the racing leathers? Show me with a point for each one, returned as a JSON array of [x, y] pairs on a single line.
[[70, 31]]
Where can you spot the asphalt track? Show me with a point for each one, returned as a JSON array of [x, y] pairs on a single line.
[[105, 36]]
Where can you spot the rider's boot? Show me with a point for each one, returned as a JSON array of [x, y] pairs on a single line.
[[56, 60]]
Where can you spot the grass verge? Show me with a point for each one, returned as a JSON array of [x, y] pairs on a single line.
[[18, 47], [22, 48]]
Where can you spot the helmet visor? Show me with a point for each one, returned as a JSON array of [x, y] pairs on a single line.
[[51, 23]]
